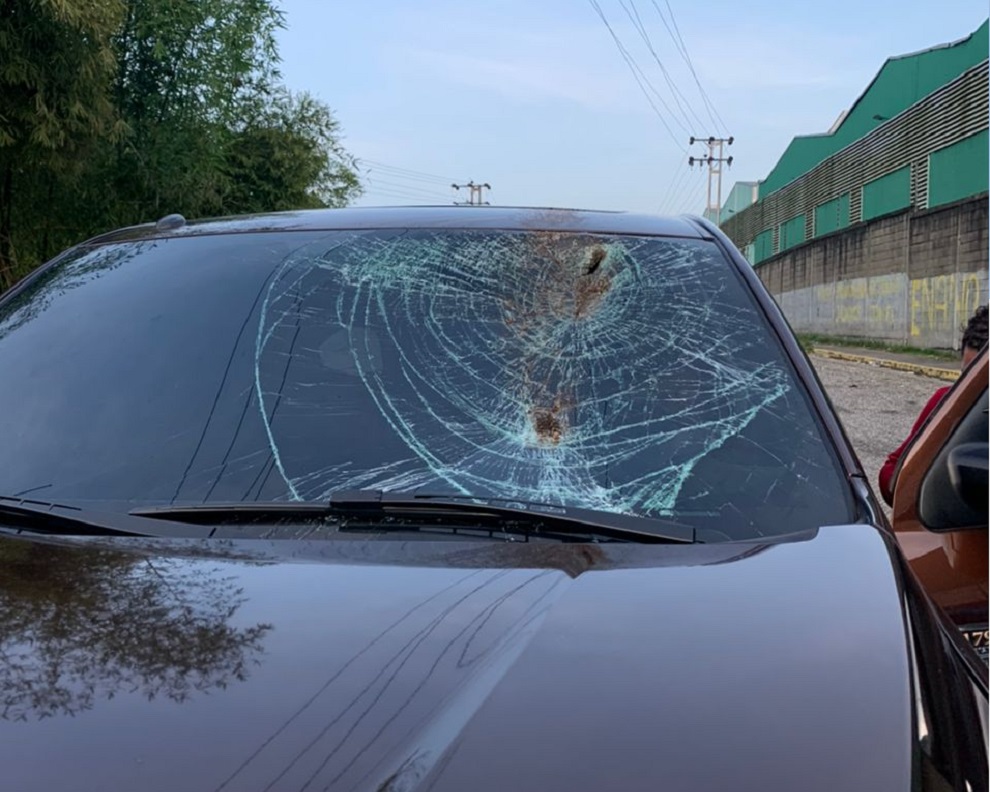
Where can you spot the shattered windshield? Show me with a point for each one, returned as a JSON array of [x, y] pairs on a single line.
[[622, 374]]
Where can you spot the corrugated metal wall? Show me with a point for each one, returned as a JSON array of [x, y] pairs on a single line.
[[959, 170], [890, 192], [900, 83], [912, 277], [944, 118], [832, 215], [792, 232]]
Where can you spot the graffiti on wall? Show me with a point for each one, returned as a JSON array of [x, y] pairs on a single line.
[[921, 311], [940, 305], [869, 302], [850, 301]]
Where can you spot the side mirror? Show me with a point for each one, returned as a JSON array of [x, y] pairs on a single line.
[[968, 472]]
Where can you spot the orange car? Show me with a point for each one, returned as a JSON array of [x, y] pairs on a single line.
[[940, 504]]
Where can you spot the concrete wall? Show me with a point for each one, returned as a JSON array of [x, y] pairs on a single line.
[[911, 277]]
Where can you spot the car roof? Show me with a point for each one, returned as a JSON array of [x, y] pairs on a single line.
[[435, 217]]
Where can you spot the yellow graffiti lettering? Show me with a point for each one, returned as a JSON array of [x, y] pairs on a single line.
[[884, 292], [933, 305], [919, 299], [880, 313], [850, 301], [970, 296]]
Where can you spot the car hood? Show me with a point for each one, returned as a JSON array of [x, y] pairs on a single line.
[[385, 665]]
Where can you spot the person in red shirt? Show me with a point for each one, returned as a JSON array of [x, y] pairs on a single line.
[[974, 338]]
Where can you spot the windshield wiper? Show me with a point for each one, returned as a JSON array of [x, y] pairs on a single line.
[[24, 514], [512, 516]]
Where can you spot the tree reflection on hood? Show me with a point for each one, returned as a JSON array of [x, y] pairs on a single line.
[[80, 624]]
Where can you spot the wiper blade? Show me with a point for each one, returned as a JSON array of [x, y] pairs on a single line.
[[22, 514], [627, 524], [512, 514]]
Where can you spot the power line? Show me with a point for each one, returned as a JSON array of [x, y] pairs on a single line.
[[633, 67], [403, 184], [695, 199], [398, 192], [405, 199], [675, 92], [401, 200], [410, 188], [393, 182], [688, 186], [674, 183], [411, 174], [687, 56], [412, 180], [689, 193], [673, 186], [405, 194], [675, 35]]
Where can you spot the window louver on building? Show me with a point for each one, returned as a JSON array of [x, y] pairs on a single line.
[[956, 111]]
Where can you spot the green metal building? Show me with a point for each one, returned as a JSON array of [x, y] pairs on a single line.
[[916, 137]]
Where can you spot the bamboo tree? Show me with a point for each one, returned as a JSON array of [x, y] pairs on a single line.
[[56, 66]]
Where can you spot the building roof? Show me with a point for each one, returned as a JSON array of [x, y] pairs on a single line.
[[901, 82]]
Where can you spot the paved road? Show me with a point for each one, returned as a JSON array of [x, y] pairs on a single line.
[[877, 405]]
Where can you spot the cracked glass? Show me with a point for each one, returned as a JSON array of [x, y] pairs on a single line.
[[626, 374]]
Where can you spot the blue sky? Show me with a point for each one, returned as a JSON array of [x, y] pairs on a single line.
[[536, 99]]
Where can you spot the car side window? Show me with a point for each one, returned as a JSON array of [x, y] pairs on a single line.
[[953, 493]]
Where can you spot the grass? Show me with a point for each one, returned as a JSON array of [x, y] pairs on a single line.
[[809, 340]]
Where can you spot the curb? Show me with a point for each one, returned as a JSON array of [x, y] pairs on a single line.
[[934, 372]]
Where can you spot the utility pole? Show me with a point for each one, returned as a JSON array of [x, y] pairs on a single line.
[[714, 162], [475, 196]]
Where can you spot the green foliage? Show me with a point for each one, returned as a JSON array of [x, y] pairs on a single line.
[[54, 75], [55, 70], [184, 68], [809, 341], [288, 155], [115, 112]]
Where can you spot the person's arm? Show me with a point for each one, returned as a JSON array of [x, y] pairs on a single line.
[[889, 467]]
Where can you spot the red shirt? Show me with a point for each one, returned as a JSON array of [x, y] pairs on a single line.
[[887, 471]]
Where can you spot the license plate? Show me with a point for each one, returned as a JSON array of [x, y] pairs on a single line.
[[979, 639]]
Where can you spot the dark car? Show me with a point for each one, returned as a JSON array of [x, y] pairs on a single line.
[[447, 499]]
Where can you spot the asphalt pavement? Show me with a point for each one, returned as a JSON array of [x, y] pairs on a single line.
[[877, 404]]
